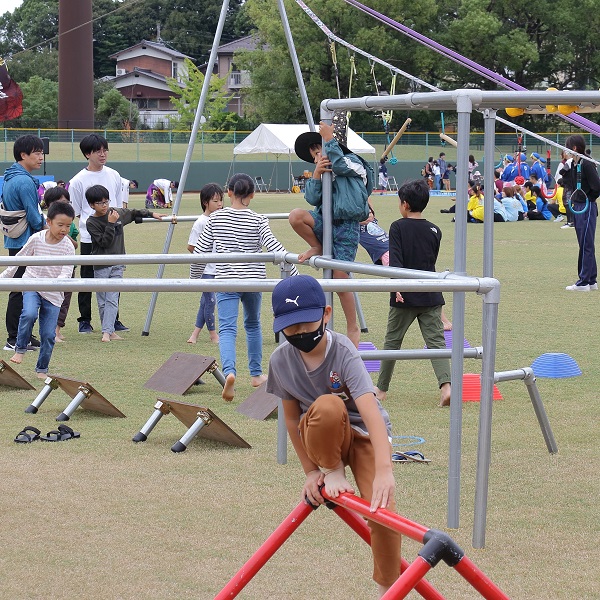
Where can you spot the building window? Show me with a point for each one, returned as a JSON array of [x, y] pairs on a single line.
[[146, 103], [175, 70]]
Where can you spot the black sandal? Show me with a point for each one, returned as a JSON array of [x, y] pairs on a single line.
[[27, 435], [63, 433]]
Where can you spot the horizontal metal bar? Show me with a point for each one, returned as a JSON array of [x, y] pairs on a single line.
[[232, 285], [418, 354], [213, 257], [513, 375], [480, 99], [192, 218]]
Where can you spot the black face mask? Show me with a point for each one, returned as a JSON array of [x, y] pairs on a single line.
[[307, 342]]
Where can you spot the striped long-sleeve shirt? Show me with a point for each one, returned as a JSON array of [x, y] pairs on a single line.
[[36, 245], [240, 231]]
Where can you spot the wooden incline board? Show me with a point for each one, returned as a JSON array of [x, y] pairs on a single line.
[[179, 373], [216, 430]]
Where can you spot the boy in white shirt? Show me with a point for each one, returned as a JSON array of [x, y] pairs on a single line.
[[95, 149]]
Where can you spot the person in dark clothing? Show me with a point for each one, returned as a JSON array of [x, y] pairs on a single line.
[[581, 176], [415, 244], [105, 227], [20, 195]]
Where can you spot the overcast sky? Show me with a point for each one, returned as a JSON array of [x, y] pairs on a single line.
[[10, 5]]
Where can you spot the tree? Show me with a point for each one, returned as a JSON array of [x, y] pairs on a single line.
[[40, 103], [187, 98], [116, 112]]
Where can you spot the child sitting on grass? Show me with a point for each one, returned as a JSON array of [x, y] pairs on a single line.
[[105, 227], [53, 241], [415, 244]]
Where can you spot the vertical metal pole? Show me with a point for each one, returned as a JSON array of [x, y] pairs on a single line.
[[327, 213], [484, 442], [489, 124], [188, 156], [281, 426], [463, 107], [296, 64]]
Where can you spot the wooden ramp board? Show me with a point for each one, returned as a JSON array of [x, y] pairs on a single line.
[[216, 430], [95, 401], [10, 378], [179, 373], [259, 404]]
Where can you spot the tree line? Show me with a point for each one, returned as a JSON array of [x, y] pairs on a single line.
[[538, 45]]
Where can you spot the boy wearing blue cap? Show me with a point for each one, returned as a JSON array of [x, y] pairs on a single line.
[[332, 415]]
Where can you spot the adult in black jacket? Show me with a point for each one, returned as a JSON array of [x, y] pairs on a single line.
[[585, 220]]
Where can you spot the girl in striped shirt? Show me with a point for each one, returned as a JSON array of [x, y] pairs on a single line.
[[238, 229]]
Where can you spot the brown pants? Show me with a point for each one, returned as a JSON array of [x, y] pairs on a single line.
[[328, 439]]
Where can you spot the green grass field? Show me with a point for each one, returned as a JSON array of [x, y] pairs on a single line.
[[101, 517]]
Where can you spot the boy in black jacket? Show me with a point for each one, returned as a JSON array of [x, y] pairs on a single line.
[[105, 227], [415, 244]]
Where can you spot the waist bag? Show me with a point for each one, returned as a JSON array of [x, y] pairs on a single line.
[[12, 222]]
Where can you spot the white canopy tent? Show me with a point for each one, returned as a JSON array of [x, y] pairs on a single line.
[[270, 138]]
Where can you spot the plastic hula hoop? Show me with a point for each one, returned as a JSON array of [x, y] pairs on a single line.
[[587, 200]]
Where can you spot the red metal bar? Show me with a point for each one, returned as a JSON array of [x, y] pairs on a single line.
[[408, 580], [358, 524], [479, 580], [265, 552], [383, 516]]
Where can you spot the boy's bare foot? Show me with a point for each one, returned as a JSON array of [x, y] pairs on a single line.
[[109, 337], [214, 337], [258, 380], [380, 395], [42, 375], [336, 482], [445, 392], [228, 392], [312, 251], [16, 358], [353, 334], [59, 336], [58, 340], [194, 337], [447, 325]]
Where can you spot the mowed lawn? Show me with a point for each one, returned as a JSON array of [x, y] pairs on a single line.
[[102, 517]]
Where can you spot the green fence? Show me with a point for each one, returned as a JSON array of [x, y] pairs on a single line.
[[171, 146]]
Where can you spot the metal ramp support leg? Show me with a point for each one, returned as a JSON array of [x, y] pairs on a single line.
[[203, 419], [51, 384], [160, 410], [74, 404]]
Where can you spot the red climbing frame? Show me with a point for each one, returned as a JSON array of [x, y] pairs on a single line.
[[437, 546]]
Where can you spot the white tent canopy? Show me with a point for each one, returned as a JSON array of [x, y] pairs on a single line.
[[280, 139]]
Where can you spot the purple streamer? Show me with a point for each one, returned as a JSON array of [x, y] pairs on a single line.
[[574, 119]]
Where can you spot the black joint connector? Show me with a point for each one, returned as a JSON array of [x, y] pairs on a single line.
[[313, 506], [440, 546]]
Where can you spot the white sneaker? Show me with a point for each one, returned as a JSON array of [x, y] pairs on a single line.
[[594, 287], [566, 226], [579, 288], [559, 218]]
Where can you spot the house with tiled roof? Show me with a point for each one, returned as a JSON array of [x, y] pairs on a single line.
[[141, 76], [237, 79]]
